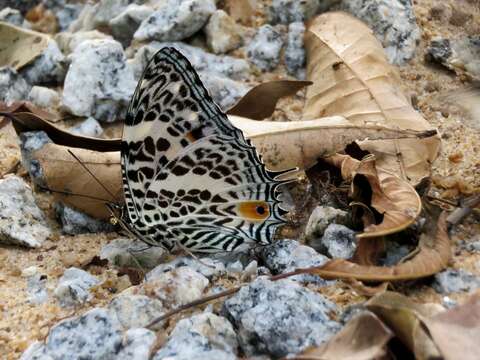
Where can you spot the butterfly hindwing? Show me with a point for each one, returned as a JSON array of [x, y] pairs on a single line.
[[190, 175]]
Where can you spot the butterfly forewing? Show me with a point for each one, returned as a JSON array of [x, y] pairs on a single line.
[[189, 175]]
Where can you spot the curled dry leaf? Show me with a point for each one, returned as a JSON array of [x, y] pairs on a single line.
[[432, 256], [457, 331], [19, 47], [352, 78], [403, 317], [290, 144], [364, 337], [391, 196], [62, 173]]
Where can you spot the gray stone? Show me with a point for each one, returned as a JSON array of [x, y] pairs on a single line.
[[13, 86], [11, 16], [89, 127], [127, 22], [451, 281], [225, 92], [461, 54], [98, 68], [47, 68], [222, 33], [288, 11], [264, 49], [473, 246], [203, 336], [394, 252], [176, 287], [44, 97], [36, 351], [137, 344], [75, 222], [207, 267], [175, 20], [97, 16], [31, 141], [65, 13], [125, 252], [224, 66], [136, 311], [93, 335], [37, 288], [319, 219], [295, 51], [279, 318], [339, 241], [392, 21], [73, 287], [21, 220]]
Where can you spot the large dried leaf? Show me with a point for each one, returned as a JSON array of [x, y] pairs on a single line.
[[289, 144], [391, 196], [19, 47], [403, 316], [352, 78], [364, 337], [62, 173], [433, 255], [457, 331]]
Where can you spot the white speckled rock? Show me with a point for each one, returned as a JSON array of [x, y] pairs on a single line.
[[21, 220], [452, 280], [203, 336], [279, 318], [65, 12], [73, 287], [135, 311], [89, 127], [295, 51], [222, 33], [36, 351], [130, 253], [225, 92], [320, 218], [47, 68], [12, 16], [37, 288], [98, 68], [339, 242], [76, 222], [31, 141], [98, 15], [264, 49], [127, 22], [175, 20], [44, 97], [13, 86], [137, 344], [68, 41], [287, 11], [176, 287], [93, 335], [392, 21], [226, 66], [209, 268]]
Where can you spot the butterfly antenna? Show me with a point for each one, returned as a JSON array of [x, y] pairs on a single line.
[[91, 174], [44, 188]]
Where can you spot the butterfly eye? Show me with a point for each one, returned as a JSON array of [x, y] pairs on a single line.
[[113, 220], [254, 210]]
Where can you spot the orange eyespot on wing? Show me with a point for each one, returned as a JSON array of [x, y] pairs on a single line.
[[254, 210]]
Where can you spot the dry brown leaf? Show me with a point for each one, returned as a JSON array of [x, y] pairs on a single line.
[[19, 47], [457, 331], [364, 337], [352, 78], [259, 103], [241, 10], [62, 173], [289, 144], [391, 196], [433, 255], [403, 316]]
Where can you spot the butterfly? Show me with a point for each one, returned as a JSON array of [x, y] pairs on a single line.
[[190, 178]]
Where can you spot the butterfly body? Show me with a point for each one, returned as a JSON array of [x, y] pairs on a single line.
[[190, 178]]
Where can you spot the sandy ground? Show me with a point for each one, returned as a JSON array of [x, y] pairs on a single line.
[[457, 169]]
